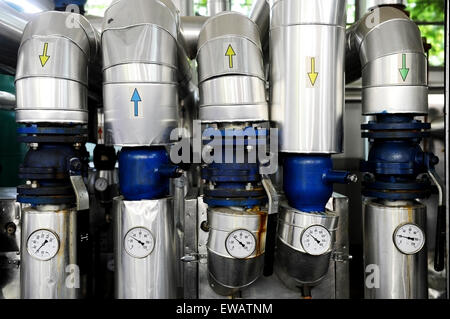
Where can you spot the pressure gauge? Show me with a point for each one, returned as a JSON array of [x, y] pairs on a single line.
[[139, 242], [101, 184], [409, 238], [240, 243], [316, 240], [43, 244]]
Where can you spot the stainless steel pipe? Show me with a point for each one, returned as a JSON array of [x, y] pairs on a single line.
[[140, 71], [151, 275], [392, 60], [391, 271], [57, 277], [307, 74], [230, 69], [52, 68]]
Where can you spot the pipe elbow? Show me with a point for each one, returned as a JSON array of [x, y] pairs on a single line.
[[392, 61]]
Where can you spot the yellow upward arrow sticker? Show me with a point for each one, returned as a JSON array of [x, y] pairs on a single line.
[[313, 74], [230, 53], [44, 57]]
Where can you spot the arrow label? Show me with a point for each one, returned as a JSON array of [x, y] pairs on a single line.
[[44, 57], [230, 53], [404, 70], [313, 74], [135, 98]]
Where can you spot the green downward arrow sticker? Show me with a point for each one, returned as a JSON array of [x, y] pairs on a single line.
[[404, 70]]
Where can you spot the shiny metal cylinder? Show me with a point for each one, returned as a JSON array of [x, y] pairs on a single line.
[[393, 62], [140, 69], [226, 273], [216, 6], [396, 275], [50, 279], [153, 276], [52, 68], [294, 266], [307, 45], [231, 71]]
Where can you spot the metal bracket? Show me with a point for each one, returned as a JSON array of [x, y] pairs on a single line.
[[193, 257], [81, 192], [273, 196]]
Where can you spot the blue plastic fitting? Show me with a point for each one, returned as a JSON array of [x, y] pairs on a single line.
[[308, 181], [144, 173]]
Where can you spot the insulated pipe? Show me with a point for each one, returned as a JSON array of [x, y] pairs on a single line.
[[216, 6], [142, 65], [307, 74], [12, 23], [392, 60], [52, 68], [190, 30], [230, 69]]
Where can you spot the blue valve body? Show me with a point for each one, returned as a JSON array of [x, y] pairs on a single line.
[[144, 173], [308, 181]]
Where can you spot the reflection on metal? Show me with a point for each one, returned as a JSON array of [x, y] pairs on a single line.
[[391, 274], [228, 274], [140, 63], [393, 62], [154, 276], [307, 74], [54, 278], [216, 6], [51, 75], [9, 244], [231, 72], [294, 265]]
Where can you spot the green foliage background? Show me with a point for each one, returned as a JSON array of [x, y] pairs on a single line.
[[430, 11]]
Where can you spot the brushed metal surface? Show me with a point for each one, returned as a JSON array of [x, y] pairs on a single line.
[[48, 99], [308, 114], [54, 90], [226, 273], [400, 276], [141, 54], [156, 118], [47, 279], [152, 277], [386, 41], [231, 71], [293, 265]]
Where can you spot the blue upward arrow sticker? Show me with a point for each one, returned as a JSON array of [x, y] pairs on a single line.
[[136, 99]]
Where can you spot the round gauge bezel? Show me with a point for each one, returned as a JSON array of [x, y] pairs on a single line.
[[125, 242], [405, 224], [57, 241], [304, 232], [98, 180], [236, 230]]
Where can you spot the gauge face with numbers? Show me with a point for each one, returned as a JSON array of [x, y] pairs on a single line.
[[43, 244], [316, 240], [139, 242], [240, 243], [409, 238]]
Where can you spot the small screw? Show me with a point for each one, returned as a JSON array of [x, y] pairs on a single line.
[[352, 178]]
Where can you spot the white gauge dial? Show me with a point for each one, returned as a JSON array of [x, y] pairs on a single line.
[[101, 184], [139, 242], [409, 238], [316, 240], [240, 243], [43, 244]]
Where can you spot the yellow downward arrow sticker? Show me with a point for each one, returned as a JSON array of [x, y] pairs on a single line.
[[313, 74], [230, 53], [44, 57]]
